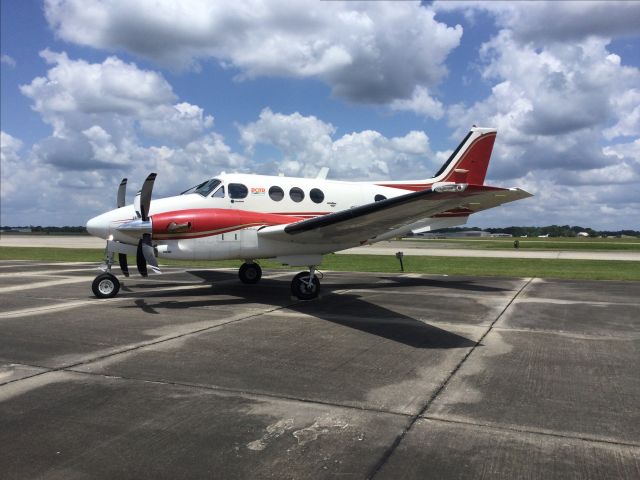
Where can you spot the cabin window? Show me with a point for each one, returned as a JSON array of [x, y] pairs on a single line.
[[238, 190], [316, 195], [296, 194], [379, 197], [276, 193]]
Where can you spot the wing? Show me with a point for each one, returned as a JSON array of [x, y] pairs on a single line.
[[366, 222]]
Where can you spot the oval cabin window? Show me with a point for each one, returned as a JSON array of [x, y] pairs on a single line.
[[296, 194], [276, 193], [316, 195], [379, 197]]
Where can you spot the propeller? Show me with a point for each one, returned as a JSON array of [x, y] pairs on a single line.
[[122, 258], [124, 267], [122, 190], [143, 198], [145, 255]]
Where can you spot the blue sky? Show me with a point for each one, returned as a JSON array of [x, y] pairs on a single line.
[[92, 91]]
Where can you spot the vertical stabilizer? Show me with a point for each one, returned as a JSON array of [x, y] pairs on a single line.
[[470, 163], [467, 164]]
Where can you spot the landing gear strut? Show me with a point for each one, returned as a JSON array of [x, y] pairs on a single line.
[[106, 285], [306, 285], [250, 273]]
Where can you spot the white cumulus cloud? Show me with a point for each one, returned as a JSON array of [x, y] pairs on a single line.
[[557, 21], [109, 120], [307, 144], [7, 60], [373, 52], [566, 108]]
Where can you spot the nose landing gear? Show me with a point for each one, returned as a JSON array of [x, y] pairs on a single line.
[[105, 285], [306, 285]]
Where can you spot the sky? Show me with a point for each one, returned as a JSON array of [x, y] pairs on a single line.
[[94, 91]]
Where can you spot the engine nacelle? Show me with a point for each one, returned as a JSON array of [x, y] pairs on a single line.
[[205, 222]]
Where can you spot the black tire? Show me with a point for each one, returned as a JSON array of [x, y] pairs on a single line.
[[300, 289], [105, 285], [250, 273]]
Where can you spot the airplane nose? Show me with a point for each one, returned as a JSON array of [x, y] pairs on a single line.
[[97, 227]]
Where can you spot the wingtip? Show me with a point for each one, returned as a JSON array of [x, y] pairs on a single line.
[[523, 193]]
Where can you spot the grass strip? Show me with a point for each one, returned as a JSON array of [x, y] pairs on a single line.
[[508, 267], [533, 244]]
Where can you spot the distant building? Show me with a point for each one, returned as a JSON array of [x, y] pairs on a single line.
[[17, 229], [463, 234], [582, 234]]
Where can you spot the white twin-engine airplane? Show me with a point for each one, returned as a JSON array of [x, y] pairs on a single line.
[[294, 220]]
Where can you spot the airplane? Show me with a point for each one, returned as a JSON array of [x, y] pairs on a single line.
[[293, 220]]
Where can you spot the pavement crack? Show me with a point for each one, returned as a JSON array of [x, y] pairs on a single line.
[[508, 428], [150, 343], [235, 391], [158, 341], [421, 413]]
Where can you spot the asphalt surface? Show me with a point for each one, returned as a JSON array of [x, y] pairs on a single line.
[[408, 247], [192, 374]]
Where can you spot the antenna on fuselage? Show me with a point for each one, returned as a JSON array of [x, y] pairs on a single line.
[[322, 174]]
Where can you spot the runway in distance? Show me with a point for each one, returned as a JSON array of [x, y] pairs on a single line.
[[293, 220]]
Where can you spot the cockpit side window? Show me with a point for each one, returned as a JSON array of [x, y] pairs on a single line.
[[219, 193], [204, 189]]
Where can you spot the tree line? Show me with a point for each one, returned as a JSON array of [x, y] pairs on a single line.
[[551, 230]]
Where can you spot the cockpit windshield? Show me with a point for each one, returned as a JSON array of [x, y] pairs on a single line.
[[204, 189]]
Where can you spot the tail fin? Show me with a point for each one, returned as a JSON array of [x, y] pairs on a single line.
[[469, 162]]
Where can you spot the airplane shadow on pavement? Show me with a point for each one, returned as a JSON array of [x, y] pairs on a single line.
[[346, 309]]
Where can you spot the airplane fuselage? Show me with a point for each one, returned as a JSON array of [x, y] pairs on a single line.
[[223, 223], [294, 220]]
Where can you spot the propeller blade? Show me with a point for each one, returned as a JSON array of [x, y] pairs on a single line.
[[149, 255], [136, 204], [122, 190], [140, 260], [145, 256], [145, 196], [122, 260]]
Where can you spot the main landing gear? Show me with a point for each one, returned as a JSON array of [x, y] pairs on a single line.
[[306, 285], [250, 272]]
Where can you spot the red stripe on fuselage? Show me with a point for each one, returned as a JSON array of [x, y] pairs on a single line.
[[204, 222], [406, 186]]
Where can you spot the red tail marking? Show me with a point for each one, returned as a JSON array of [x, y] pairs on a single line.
[[475, 160], [471, 168]]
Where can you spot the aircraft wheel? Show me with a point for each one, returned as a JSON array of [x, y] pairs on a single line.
[[250, 273], [105, 285], [302, 290]]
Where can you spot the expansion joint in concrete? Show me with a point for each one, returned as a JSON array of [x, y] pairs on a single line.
[[527, 431], [247, 393], [421, 413]]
